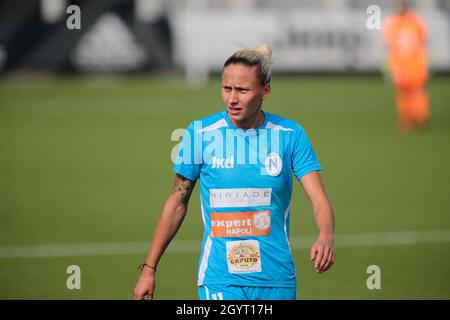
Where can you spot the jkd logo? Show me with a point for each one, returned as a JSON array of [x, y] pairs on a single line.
[[223, 163]]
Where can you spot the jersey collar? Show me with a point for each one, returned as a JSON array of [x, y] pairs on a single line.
[[230, 124]]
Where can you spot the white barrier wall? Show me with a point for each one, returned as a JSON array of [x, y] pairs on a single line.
[[302, 40]]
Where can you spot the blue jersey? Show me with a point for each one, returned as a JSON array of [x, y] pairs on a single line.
[[245, 193]]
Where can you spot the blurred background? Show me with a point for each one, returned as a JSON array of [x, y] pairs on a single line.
[[91, 92]]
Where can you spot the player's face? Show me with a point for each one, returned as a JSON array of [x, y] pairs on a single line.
[[243, 94]]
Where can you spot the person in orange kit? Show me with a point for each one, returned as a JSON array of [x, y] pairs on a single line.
[[405, 34]]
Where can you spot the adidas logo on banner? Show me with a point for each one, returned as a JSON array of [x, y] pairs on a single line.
[[109, 46]]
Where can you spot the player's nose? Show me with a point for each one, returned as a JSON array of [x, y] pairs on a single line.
[[233, 98]]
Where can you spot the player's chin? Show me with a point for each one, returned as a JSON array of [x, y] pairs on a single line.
[[236, 117]]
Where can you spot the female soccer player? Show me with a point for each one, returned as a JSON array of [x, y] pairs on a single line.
[[244, 158]]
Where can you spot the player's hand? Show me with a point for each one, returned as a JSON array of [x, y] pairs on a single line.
[[322, 253], [145, 285]]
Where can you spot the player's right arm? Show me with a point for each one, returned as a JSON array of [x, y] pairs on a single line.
[[170, 221]]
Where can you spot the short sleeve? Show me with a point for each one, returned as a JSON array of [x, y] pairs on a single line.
[[422, 28], [386, 30], [304, 159], [188, 161]]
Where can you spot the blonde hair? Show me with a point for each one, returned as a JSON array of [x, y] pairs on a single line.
[[259, 57]]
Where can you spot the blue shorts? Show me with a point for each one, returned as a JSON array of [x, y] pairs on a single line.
[[232, 292]]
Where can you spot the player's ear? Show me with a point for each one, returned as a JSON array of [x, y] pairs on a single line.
[[267, 90]]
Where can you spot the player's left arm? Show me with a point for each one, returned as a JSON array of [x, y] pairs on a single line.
[[322, 251]]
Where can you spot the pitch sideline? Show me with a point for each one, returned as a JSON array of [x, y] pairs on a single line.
[[193, 246]]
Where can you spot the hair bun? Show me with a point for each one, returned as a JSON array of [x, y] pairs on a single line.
[[265, 51]]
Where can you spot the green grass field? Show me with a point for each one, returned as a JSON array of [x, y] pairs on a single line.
[[88, 161]]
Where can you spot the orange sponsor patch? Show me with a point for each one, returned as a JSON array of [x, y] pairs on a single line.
[[240, 224]]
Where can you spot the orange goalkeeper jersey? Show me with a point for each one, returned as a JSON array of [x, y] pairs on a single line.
[[405, 36]]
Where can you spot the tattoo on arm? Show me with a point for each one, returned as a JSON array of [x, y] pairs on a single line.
[[184, 187]]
